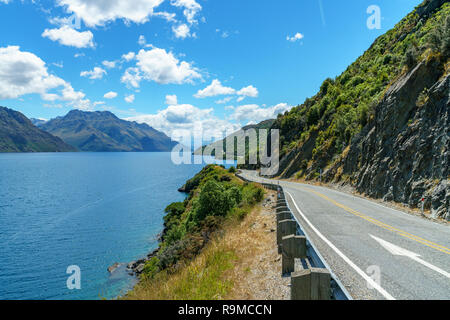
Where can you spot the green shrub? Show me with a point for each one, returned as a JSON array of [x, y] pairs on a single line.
[[232, 170], [213, 201], [235, 195], [410, 59], [151, 268]]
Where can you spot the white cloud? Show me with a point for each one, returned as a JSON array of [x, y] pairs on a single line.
[[171, 100], [97, 73], [160, 66], [182, 31], [214, 89], [23, 73], [129, 56], [249, 91], [69, 94], [253, 112], [5, 1], [109, 64], [132, 77], [110, 95], [98, 13], [170, 17], [84, 104], [297, 37], [142, 41], [198, 122], [130, 98], [224, 100], [191, 8], [70, 37]]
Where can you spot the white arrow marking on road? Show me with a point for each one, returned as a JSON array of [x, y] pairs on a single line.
[[397, 251]]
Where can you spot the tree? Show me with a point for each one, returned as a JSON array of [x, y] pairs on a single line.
[[410, 59], [213, 201], [235, 196], [445, 45]]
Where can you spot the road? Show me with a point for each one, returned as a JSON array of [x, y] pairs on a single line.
[[375, 251]]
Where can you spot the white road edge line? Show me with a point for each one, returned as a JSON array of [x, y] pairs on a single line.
[[369, 280]]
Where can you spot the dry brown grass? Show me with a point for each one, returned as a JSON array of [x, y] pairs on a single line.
[[256, 273], [241, 262]]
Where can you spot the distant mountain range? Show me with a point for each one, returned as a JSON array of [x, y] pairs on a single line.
[[239, 135], [18, 134], [104, 132], [78, 131]]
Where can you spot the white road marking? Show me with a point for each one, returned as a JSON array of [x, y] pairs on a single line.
[[369, 280], [397, 251]]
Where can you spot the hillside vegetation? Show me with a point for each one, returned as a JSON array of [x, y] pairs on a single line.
[[391, 102], [216, 198], [329, 120]]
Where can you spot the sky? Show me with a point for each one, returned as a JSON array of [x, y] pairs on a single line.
[[197, 65]]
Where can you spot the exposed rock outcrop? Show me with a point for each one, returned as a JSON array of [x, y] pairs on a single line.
[[404, 154]]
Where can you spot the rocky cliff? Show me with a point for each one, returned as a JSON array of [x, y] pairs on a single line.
[[404, 154], [382, 126]]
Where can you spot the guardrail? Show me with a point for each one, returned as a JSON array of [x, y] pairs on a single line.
[[310, 276]]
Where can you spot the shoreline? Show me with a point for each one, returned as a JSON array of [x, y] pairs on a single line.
[[218, 202]]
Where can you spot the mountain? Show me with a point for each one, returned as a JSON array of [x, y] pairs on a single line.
[[18, 134], [104, 132], [382, 126], [239, 135]]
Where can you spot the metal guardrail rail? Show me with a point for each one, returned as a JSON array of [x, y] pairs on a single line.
[[313, 258]]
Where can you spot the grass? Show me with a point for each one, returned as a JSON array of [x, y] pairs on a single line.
[[203, 279], [207, 277], [222, 270]]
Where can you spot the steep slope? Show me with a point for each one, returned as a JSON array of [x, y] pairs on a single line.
[[104, 132], [18, 134], [383, 125], [239, 135]]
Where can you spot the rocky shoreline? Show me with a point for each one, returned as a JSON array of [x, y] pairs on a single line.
[[137, 267]]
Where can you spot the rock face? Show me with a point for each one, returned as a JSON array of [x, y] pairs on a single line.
[[404, 154], [18, 134], [104, 132], [114, 267]]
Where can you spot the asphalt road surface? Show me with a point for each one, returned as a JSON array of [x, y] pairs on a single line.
[[375, 251]]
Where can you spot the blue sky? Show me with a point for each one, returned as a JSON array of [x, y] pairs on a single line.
[[179, 64]]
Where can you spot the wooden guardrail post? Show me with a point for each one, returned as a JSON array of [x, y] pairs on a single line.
[[311, 284], [282, 208], [292, 247], [281, 203], [284, 215], [281, 216], [285, 228]]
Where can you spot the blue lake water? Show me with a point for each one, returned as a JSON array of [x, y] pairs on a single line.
[[84, 209]]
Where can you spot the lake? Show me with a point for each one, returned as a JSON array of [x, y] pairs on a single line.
[[85, 209]]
